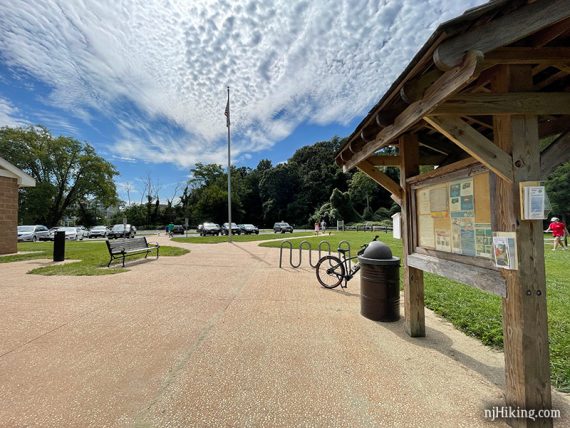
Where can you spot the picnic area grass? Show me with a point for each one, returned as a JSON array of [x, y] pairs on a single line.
[[91, 258], [477, 313], [240, 238]]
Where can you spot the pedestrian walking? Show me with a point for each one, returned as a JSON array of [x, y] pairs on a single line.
[[316, 228], [323, 225], [559, 231]]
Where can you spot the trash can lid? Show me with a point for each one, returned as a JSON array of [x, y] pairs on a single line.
[[378, 253]]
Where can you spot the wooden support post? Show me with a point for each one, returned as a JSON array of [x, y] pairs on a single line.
[[525, 328], [413, 278]]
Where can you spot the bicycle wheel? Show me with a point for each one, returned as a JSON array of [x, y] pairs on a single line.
[[330, 271]]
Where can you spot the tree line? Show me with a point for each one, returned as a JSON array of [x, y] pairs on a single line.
[[307, 188], [73, 181]]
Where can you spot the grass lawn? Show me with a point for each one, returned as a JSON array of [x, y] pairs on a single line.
[[478, 313], [93, 257], [240, 238]]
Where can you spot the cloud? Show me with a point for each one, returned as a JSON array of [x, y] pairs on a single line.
[[287, 63], [10, 115]]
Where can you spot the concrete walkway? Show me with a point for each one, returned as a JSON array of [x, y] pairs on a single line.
[[222, 337]]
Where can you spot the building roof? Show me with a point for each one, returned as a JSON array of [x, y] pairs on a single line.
[[488, 30], [9, 170]]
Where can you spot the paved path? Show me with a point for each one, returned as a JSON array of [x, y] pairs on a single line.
[[222, 337]]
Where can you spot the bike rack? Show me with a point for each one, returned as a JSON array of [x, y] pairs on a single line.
[[324, 243], [290, 253], [323, 246]]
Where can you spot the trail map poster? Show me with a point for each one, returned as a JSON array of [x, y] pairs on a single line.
[[455, 217]]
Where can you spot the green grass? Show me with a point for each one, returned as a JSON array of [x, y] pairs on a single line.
[[239, 238], [92, 258], [479, 314]]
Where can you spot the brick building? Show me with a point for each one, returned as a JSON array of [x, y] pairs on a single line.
[[11, 179]]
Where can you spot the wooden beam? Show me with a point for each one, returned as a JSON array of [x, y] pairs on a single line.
[[413, 278], [474, 143], [379, 160], [444, 170], [382, 179], [540, 103], [415, 89], [517, 55], [525, 327], [550, 80], [551, 33], [502, 31], [555, 154], [448, 84], [485, 279]]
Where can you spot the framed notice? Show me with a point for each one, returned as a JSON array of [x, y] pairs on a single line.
[[505, 250], [455, 216]]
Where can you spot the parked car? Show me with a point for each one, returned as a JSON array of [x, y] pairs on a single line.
[[282, 227], [33, 233], [248, 229], [235, 229], [82, 232], [178, 229], [71, 233], [209, 229], [98, 232], [122, 231]]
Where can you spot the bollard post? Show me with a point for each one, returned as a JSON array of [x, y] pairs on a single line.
[[59, 246]]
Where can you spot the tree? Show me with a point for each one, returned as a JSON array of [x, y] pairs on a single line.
[[66, 171], [558, 190]]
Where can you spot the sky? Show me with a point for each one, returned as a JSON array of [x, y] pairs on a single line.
[[144, 81]]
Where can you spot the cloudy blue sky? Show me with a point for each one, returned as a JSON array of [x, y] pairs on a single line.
[[144, 81]]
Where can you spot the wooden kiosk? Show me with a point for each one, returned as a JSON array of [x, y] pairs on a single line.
[[476, 101]]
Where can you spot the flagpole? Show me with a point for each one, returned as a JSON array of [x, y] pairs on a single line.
[[229, 171]]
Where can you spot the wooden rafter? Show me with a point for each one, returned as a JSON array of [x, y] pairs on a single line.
[[448, 84], [541, 103], [474, 143], [547, 35], [380, 160], [517, 55], [550, 80], [502, 31], [382, 179], [554, 155]]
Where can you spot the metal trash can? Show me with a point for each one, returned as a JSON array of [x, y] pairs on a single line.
[[379, 283], [59, 246]]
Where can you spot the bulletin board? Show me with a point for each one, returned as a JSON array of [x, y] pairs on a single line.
[[455, 216]]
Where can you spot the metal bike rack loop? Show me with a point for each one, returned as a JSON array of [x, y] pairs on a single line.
[[323, 246], [290, 252]]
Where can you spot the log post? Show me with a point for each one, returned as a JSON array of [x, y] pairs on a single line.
[[413, 278], [525, 329]]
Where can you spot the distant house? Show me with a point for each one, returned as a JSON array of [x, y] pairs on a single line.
[[11, 179]]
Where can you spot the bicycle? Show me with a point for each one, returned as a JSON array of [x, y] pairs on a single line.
[[331, 270]]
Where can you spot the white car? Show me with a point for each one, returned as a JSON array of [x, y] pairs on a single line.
[[71, 233]]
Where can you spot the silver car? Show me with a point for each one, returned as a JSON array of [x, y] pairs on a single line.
[[71, 233], [33, 233], [98, 232]]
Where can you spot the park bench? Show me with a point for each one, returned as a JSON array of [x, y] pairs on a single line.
[[122, 248]]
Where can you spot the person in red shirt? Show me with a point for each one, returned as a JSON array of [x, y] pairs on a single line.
[[558, 230]]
